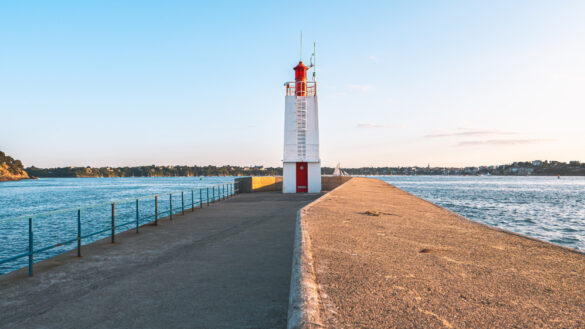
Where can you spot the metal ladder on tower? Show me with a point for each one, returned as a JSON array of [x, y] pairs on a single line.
[[301, 111]]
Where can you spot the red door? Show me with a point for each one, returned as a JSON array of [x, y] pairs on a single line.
[[302, 177]]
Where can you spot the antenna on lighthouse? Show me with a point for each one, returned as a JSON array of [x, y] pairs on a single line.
[[314, 61], [301, 46]]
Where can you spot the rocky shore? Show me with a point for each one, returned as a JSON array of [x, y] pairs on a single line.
[[11, 169], [6, 174]]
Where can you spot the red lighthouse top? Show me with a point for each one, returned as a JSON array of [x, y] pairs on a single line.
[[301, 72], [301, 79]]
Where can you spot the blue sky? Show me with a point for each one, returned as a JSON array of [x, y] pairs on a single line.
[[112, 83]]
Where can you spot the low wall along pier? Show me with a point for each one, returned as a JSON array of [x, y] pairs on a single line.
[[274, 183], [329, 183], [369, 255], [260, 184]]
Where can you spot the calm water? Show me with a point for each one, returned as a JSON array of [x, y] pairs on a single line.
[[547, 208], [45, 195]]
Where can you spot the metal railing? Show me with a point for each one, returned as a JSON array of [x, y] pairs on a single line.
[[311, 88], [106, 219]]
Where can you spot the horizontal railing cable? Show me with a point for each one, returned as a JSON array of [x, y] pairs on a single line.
[[125, 214]]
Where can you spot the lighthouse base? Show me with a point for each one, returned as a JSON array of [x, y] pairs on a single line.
[[301, 177]]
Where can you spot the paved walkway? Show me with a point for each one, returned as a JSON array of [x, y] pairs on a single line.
[[226, 266], [386, 259]]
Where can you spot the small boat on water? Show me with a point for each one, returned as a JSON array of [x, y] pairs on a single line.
[[338, 172]]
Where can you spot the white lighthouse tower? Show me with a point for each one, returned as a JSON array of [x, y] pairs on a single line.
[[301, 163]]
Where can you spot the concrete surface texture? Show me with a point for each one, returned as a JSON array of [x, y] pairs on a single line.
[[225, 266], [386, 259]]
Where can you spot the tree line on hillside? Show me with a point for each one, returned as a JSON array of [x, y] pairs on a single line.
[[154, 171], [13, 166], [527, 168], [534, 168], [11, 169]]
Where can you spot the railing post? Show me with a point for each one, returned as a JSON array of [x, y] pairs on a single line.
[[113, 221], [137, 218], [171, 205], [182, 203], [78, 232], [156, 210], [192, 201], [200, 198], [207, 196], [213, 193], [223, 191], [30, 247]]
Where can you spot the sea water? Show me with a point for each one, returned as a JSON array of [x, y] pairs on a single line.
[[547, 208]]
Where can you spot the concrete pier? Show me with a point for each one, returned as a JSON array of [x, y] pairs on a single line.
[[223, 266], [374, 256]]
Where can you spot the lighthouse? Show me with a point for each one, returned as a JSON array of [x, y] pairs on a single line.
[[301, 163]]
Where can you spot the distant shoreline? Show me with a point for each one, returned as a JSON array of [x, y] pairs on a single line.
[[528, 168]]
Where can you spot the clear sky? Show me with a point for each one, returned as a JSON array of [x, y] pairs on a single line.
[[116, 83]]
